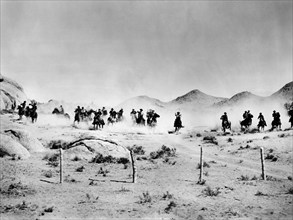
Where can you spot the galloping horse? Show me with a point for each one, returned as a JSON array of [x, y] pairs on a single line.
[[57, 112], [98, 122], [226, 125], [261, 125]]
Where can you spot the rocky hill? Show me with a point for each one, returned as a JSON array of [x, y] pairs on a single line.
[[11, 92], [240, 98], [197, 98], [285, 93], [143, 102]]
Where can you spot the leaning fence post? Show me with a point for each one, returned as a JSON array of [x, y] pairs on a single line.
[[200, 165], [262, 164], [61, 165], [134, 175]]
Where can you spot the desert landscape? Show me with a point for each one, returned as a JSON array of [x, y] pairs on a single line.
[[97, 173], [155, 110]]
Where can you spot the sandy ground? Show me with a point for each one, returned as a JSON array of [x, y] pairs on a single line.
[[166, 188]]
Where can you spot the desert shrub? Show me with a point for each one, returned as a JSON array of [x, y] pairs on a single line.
[[206, 173], [201, 182], [198, 135], [211, 139], [259, 193], [271, 178], [290, 190], [48, 174], [271, 157], [254, 178], [69, 179], [20, 207], [208, 191], [205, 164], [167, 195], [163, 153], [145, 198], [76, 158], [123, 189], [244, 178], [53, 159], [170, 206], [103, 172], [99, 158], [49, 209], [242, 148], [80, 169], [17, 189], [138, 150], [122, 160], [229, 140], [56, 144]]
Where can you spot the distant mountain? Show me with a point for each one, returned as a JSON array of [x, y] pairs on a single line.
[[10, 92], [197, 98], [143, 102], [240, 98], [285, 93]]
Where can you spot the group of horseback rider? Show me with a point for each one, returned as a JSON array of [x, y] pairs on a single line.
[[28, 111], [247, 121], [138, 117]]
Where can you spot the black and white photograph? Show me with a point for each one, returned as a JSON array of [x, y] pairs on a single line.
[[146, 109]]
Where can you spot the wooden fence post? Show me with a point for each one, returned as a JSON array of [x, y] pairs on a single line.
[[134, 174], [262, 164], [201, 165], [61, 165]]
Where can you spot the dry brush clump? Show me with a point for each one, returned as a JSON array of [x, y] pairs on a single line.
[[145, 198], [57, 144], [80, 169], [99, 158], [210, 139], [205, 164], [167, 195], [24, 206], [137, 150], [208, 191], [52, 159], [17, 189], [48, 174], [163, 153], [170, 206]]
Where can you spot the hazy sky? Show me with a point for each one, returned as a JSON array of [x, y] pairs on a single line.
[[109, 51]]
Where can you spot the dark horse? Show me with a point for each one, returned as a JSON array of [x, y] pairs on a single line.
[[261, 125], [226, 125], [276, 123], [178, 123], [57, 112], [98, 122], [152, 120], [245, 123]]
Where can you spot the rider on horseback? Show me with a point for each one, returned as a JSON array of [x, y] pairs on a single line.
[[224, 119], [178, 122], [77, 114], [277, 121], [140, 118], [225, 122], [152, 117], [262, 123], [133, 116]]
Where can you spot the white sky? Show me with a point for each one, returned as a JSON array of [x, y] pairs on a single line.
[[109, 51]]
